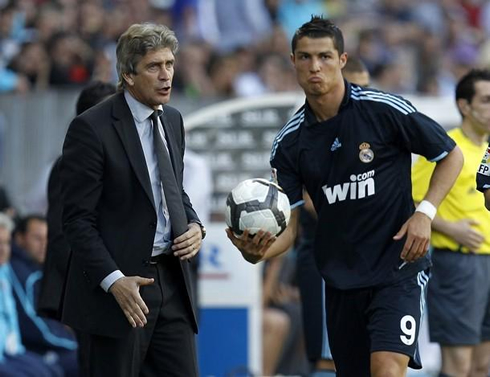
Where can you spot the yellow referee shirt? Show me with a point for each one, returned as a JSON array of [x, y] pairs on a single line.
[[463, 201]]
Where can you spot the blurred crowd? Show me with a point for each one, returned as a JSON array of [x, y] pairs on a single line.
[[231, 48]]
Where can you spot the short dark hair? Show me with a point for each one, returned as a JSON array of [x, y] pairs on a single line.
[[92, 94], [466, 85], [319, 27], [465, 89], [23, 223], [354, 65]]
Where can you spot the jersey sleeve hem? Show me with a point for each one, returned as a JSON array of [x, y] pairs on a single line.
[[297, 204], [440, 157]]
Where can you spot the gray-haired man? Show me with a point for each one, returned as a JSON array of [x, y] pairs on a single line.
[[128, 285]]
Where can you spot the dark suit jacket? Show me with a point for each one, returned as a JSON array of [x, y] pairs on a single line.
[[58, 252], [109, 217]]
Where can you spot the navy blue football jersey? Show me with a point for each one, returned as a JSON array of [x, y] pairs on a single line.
[[483, 173], [356, 167]]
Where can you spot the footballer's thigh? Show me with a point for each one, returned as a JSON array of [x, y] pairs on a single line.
[[395, 315], [385, 363]]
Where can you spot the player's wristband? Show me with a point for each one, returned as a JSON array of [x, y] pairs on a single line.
[[427, 208]]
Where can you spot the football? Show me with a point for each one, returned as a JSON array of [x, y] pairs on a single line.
[[256, 204]]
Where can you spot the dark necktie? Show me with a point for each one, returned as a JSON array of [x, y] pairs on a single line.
[[173, 195]]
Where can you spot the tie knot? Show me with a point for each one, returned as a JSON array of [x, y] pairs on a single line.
[[154, 116]]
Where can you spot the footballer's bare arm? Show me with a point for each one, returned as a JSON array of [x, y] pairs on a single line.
[[418, 227]]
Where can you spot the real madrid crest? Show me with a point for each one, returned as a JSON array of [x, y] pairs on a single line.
[[366, 154]]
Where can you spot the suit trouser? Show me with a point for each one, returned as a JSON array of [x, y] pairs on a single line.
[[165, 346]]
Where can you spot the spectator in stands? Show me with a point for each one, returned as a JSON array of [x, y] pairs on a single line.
[[15, 361], [46, 337], [273, 74], [30, 238], [193, 79], [92, 18], [48, 22], [230, 24], [222, 71], [389, 77], [276, 73], [72, 60], [459, 290], [102, 67], [33, 62]]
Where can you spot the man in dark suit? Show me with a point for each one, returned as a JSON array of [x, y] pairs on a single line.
[[128, 283]]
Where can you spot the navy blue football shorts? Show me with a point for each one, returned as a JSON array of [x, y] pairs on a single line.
[[459, 298], [381, 318]]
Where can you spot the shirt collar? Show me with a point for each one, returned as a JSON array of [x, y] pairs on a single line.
[[139, 111], [310, 117]]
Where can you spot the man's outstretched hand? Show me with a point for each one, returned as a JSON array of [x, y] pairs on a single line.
[[127, 294]]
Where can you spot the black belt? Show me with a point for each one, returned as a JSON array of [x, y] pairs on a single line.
[[161, 258]]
